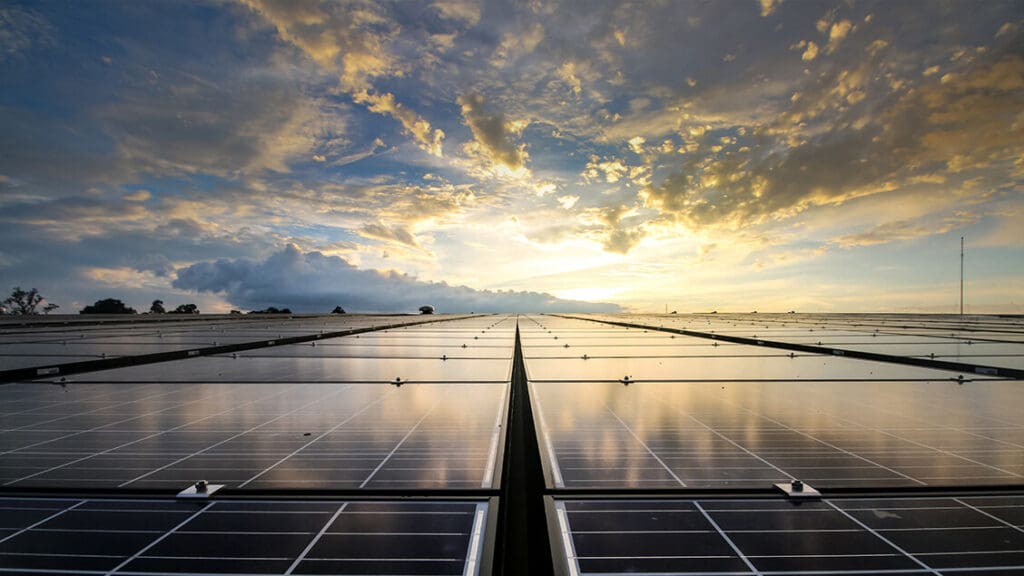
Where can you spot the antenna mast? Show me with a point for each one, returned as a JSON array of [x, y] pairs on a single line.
[[961, 277]]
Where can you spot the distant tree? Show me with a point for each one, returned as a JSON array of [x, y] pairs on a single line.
[[22, 302], [108, 306], [235, 313], [426, 309], [272, 310], [50, 307], [338, 310], [185, 309], [157, 307]]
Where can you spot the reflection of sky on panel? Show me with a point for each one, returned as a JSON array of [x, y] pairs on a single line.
[[658, 350], [1016, 362], [13, 355], [549, 337], [752, 433], [242, 369], [389, 340], [252, 435], [735, 368], [389, 351], [22, 347], [973, 327], [18, 361], [168, 327]]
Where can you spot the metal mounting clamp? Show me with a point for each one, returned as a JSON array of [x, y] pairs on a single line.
[[797, 490], [201, 489]]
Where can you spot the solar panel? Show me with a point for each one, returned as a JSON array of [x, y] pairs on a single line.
[[407, 440], [306, 369], [88, 536], [752, 434], [22, 347], [832, 536], [251, 435]]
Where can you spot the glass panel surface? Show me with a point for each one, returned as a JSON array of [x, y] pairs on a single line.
[[297, 369], [833, 536], [77, 536], [734, 368], [753, 434], [251, 435]]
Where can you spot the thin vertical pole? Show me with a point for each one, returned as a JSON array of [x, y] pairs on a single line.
[[961, 277]]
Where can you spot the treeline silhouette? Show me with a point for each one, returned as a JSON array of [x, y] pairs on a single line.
[[30, 302]]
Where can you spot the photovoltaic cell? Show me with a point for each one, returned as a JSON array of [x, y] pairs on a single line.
[[833, 536], [307, 369], [752, 434], [82, 536], [251, 435], [27, 346], [745, 367]]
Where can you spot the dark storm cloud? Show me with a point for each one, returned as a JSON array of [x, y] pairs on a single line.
[[314, 282]]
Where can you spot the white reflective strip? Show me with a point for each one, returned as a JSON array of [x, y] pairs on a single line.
[[570, 548], [476, 542]]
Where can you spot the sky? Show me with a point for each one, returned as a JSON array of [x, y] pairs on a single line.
[[601, 156]]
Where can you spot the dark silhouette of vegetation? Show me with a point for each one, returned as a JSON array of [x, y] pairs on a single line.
[[157, 307], [185, 309], [235, 313], [338, 310], [272, 310], [108, 306], [22, 302], [50, 307], [426, 309]]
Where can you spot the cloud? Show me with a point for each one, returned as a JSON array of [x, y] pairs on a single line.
[[517, 44], [850, 135], [837, 33], [381, 231], [353, 37], [491, 132], [768, 6], [901, 230], [346, 35], [465, 11], [810, 50], [233, 126], [429, 139], [622, 240], [314, 282], [619, 236], [20, 29], [137, 196]]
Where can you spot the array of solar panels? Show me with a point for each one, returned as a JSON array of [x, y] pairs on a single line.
[[396, 440]]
